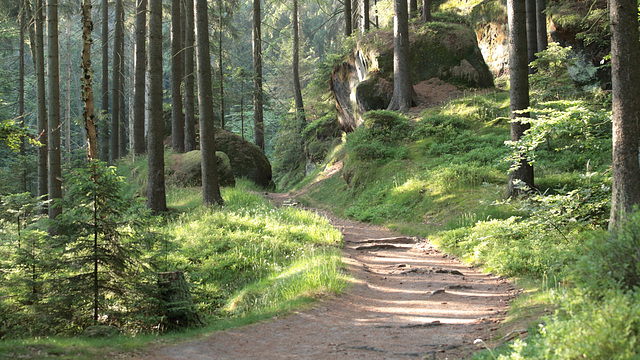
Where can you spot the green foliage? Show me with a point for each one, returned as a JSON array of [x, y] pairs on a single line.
[[572, 127], [380, 137]]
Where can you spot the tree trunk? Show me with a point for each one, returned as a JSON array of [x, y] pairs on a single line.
[[140, 80], [53, 72], [43, 119], [189, 77], [625, 76], [541, 25], [177, 65], [413, 8], [118, 37], [519, 91], [210, 188], [258, 123], [156, 196], [300, 116], [220, 67], [103, 127], [67, 112], [366, 17], [348, 27], [21, 48], [122, 142], [532, 32], [87, 82], [402, 87], [426, 11]]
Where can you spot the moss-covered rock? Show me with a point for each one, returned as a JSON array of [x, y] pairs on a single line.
[[247, 160], [185, 169], [447, 51]]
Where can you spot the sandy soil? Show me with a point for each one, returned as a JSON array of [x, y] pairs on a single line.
[[408, 301]]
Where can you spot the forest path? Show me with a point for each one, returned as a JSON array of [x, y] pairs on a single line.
[[408, 301]]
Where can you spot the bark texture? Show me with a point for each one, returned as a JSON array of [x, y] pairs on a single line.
[[140, 80], [258, 101], [53, 74], [43, 119], [87, 82], [541, 25], [210, 187], [402, 87], [118, 38], [177, 67], [348, 27], [426, 10], [189, 79], [625, 74], [296, 67], [532, 31], [366, 16], [519, 91], [103, 127], [156, 195]]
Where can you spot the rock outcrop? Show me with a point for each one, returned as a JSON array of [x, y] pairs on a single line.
[[186, 170], [445, 51], [247, 160]]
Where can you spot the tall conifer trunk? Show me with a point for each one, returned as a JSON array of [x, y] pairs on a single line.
[[53, 73], [21, 49], [118, 37], [532, 31], [189, 79], [625, 76], [519, 88], [402, 87], [103, 127], [87, 82], [348, 27], [156, 193], [258, 123], [300, 116], [210, 187], [177, 66], [541, 25], [140, 79], [43, 118]]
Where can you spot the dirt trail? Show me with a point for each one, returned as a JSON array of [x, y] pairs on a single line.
[[408, 302]]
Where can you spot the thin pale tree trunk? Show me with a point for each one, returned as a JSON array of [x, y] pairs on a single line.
[[53, 73], [189, 79], [87, 82], [177, 67], [210, 187], [625, 76], [140, 78], [156, 193]]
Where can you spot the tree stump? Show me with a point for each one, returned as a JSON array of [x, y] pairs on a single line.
[[176, 298]]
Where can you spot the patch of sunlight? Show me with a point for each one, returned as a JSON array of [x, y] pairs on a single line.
[[411, 185], [464, 6]]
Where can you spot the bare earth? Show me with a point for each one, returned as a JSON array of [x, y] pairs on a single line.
[[408, 302]]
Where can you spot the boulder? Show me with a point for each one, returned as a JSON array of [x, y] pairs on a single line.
[[185, 169], [246, 159], [364, 80]]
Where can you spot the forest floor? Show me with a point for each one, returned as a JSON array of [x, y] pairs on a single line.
[[407, 301]]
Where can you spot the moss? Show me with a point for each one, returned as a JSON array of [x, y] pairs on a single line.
[[185, 169], [246, 159]]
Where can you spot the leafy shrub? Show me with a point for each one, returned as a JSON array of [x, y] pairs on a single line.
[[456, 176], [387, 126], [439, 126], [612, 260]]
